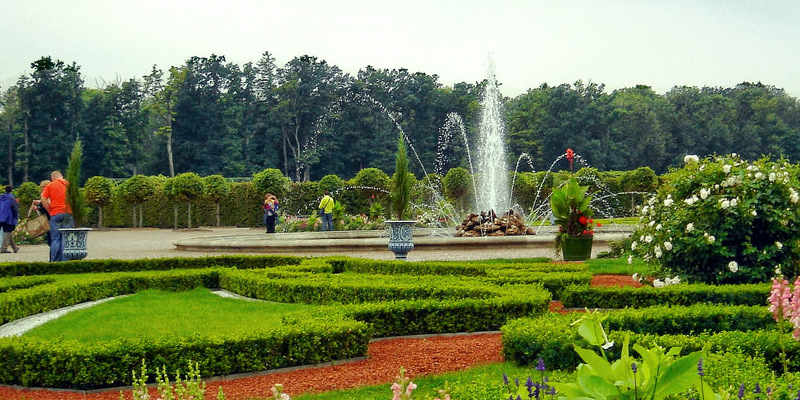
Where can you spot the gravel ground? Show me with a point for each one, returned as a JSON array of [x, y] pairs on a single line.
[[158, 243]]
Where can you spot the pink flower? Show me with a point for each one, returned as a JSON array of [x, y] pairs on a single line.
[[410, 388], [779, 299], [397, 389]]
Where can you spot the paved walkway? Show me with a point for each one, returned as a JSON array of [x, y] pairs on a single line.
[[160, 243]]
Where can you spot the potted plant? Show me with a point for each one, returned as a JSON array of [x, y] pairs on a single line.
[[573, 213], [401, 229]]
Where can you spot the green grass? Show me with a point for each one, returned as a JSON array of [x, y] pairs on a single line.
[[618, 221], [619, 266], [477, 383], [151, 314]]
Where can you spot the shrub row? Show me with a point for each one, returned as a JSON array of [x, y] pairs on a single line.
[[647, 296], [551, 336], [79, 366], [147, 264]]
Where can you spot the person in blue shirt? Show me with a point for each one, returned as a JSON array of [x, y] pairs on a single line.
[[9, 216]]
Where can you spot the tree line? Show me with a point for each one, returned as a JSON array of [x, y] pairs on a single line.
[[309, 119]]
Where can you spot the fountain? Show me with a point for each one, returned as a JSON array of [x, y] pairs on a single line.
[[490, 185]]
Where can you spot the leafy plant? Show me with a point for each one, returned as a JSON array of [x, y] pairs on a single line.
[[270, 180], [217, 189], [135, 191], [189, 187], [572, 211], [723, 220], [655, 375]]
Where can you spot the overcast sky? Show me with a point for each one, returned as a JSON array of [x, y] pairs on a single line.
[[619, 43]]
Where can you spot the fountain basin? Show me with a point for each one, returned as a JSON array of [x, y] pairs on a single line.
[[344, 242]]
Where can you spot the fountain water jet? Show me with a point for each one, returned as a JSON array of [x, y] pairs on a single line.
[[493, 188]]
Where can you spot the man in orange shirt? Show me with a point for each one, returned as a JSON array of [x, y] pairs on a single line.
[[54, 200]]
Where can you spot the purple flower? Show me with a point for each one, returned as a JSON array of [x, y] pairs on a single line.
[[700, 367], [540, 366], [505, 379], [516, 381], [741, 391], [798, 395], [634, 368], [529, 385], [757, 389]]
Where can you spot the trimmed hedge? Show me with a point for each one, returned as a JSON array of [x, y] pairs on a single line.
[[551, 336], [148, 264], [388, 300], [647, 296]]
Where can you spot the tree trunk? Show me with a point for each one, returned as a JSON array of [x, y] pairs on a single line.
[[169, 155], [190, 216], [100, 217], [27, 153], [218, 224], [175, 211], [10, 152], [141, 215], [134, 216]]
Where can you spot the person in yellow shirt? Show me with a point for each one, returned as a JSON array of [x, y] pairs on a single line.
[[326, 211]]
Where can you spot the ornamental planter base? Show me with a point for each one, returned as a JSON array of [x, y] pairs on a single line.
[[75, 242], [401, 238], [576, 248]]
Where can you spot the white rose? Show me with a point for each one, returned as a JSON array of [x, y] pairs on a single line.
[[733, 266], [651, 223], [734, 202], [711, 239], [668, 201], [658, 227], [633, 246], [689, 227], [668, 246], [772, 177], [648, 239], [658, 283], [779, 245], [759, 175], [726, 169], [630, 261], [691, 158], [657, 251], [754, 213], [724, 203], [704, 193]]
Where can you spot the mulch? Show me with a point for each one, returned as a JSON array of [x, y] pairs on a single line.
[[419, 356]]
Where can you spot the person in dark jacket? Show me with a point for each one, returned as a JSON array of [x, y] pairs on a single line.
[[9, 215]]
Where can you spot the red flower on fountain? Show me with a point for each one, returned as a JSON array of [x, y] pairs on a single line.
[[570, 158]]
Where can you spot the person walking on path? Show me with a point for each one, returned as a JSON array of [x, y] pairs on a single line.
[[54, 200], [9, 215], [326, 211], [271, 206]]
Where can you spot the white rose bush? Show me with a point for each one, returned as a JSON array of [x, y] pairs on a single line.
[[723, 220]]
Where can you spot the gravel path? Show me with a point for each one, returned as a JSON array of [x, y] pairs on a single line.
[[158, 243]]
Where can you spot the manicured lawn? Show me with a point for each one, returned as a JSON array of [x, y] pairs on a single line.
[[152, 314], [619, 266]]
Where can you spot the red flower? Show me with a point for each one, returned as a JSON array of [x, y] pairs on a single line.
[[585, 232], [599, 224], [591, 220], [583, 220]]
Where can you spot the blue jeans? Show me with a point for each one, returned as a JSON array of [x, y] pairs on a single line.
[[57, 222], [327, 221]]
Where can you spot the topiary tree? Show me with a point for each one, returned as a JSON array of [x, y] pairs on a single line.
[[331, 183], [724, 220], [457, 185], [217, 189], [99, 191], [75, 196], [189, 187], [135, 191], [270, 180], [27, 193], [169, 192]]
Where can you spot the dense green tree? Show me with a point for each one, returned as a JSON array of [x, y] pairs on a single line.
[[216, 189]]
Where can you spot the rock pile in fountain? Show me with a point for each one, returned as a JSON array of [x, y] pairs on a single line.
[[510, 223]]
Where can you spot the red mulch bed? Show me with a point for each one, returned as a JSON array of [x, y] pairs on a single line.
[[419, 356]]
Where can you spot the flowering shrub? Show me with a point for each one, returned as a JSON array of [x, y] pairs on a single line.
[[723, 220]]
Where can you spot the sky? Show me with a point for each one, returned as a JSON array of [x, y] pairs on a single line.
[[618, 43]]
